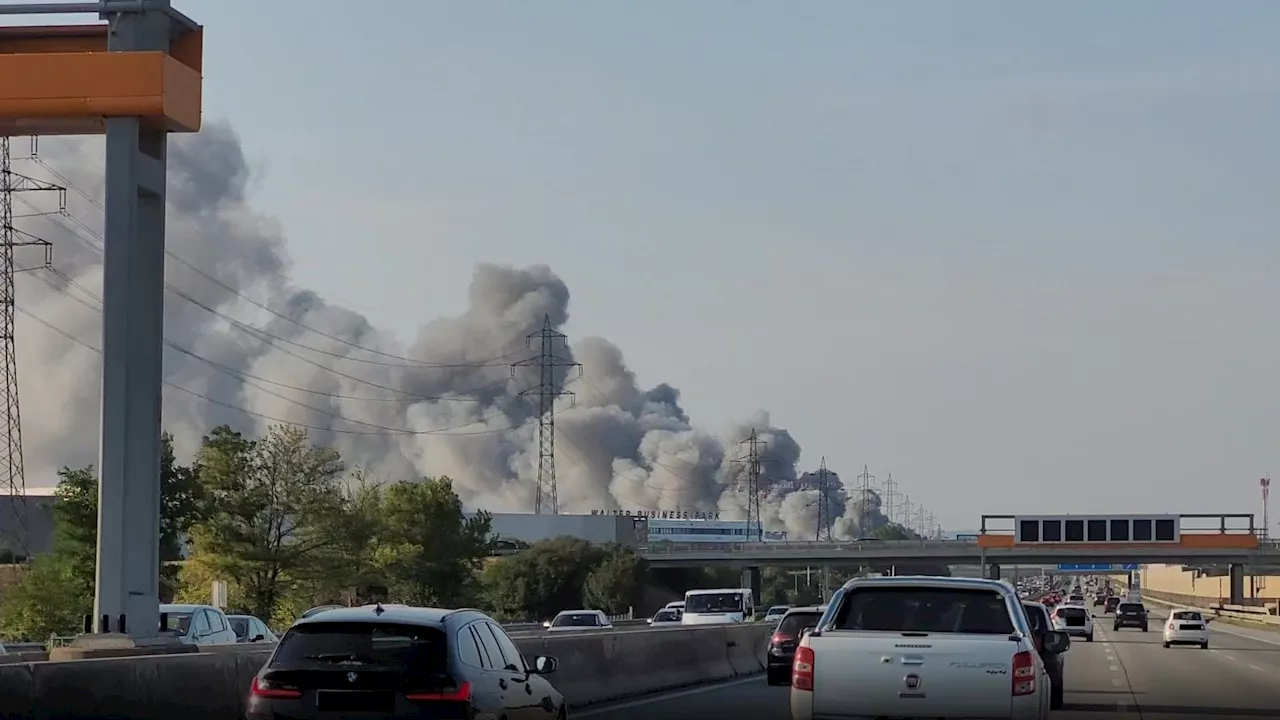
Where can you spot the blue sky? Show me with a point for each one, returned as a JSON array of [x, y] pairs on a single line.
[[994, 248]]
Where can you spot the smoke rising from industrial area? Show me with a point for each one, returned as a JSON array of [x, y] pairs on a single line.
[[243, 337]]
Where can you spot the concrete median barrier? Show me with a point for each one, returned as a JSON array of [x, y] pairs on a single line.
[[213, 685], [746, 647]]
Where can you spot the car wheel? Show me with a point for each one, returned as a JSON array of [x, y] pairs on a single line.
[[1056, 693], [1204, 645], [1144, 628], [1089, 637], [1166, 646], [774, 676]]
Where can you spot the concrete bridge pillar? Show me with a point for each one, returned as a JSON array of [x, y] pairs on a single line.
[[751, 579], [1236, 572]]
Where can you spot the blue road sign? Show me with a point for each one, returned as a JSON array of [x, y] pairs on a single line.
[[1084, 567], [1129, 566]]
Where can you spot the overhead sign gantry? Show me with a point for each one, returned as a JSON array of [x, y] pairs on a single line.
[[134, 78]]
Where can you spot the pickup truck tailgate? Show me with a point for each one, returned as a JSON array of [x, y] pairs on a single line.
[[882, 674]]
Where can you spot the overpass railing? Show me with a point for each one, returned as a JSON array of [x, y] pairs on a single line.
[[792, 546]]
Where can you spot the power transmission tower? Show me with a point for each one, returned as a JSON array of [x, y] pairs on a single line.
[[864, 507], [824, 502], [891, 499], [754, 463], [548, 389], [921, 515], [11, 239], [908, 507]]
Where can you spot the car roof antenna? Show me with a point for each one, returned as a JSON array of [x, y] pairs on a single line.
[[378, 609]]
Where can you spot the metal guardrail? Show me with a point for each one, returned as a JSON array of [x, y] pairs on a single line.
[[622, 621], [799, 545], [1252, 617]]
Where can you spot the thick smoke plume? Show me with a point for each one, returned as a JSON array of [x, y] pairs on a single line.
[[444, 404]]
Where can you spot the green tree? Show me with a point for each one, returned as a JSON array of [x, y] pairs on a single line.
[[75, 523], [49, 599], [264, 501], [76, 516], [616, 583], [430, 550], [536, 583], [352, 531]]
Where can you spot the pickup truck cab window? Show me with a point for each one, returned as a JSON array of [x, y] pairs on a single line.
[[924, 610]]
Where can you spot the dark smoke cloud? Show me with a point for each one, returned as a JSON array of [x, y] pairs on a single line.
[[619, 447]]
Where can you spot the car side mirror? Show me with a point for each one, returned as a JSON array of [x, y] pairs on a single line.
[[808, 629], [547, 624], [258, 638], [545, 665], [650, 621], [1056, 642]]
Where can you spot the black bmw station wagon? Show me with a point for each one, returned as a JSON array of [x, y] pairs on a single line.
[[395, 661]]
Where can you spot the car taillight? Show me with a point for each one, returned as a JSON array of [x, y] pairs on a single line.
[[779, 638], [273, 690], [461, 694], [802, 669], [1024, 674]]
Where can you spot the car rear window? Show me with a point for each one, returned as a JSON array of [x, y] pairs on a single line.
[[667, 616], [1038, 618], [1070, 612], [794, 622], [416, 648], [1131, 607], [1186, 615], [926, 610]]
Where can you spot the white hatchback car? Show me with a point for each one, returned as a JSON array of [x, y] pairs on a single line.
[[579, 621], [1186, 627], [1074, 620]]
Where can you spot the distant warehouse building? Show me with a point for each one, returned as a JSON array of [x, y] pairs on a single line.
[[26, 522], [599, 529], [627, 528]]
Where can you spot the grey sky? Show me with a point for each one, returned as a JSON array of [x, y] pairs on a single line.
[[1019, 254]]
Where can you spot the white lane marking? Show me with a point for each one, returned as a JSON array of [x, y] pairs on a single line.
[[1230, 657], [1115, 669], [1117, 682], [1255, 667], [587, 712]]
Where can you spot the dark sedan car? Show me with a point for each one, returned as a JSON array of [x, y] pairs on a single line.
[[1131, 614], [782, 646], [1038, 615]]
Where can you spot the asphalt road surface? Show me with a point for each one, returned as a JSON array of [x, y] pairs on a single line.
[[1120, 675]]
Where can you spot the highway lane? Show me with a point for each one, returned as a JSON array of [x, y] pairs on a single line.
[[1128, 673], [1123, 675]]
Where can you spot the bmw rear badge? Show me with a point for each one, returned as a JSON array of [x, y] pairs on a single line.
[[351, 677], [912, 681]]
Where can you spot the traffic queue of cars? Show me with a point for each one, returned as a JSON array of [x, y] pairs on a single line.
[[881, 647]]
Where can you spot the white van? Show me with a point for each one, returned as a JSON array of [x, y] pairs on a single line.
[[718, 607]]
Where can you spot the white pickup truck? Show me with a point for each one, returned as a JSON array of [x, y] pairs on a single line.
[[922, 647]]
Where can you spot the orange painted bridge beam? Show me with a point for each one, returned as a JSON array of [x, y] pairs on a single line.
[[62, 80]]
